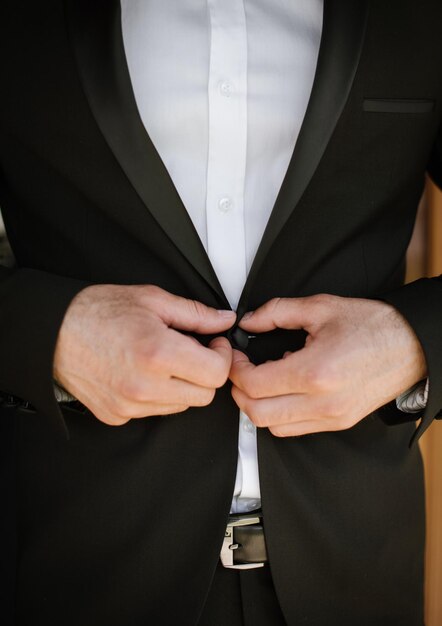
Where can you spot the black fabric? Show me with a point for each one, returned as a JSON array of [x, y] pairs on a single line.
[[224, 603], [8, 532], [242, 599], [398, 106], [109, 518]]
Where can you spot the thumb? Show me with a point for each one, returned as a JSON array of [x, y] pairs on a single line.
[[241, 367], [222, 347], [191, 315], [289, 313], [239, 358]]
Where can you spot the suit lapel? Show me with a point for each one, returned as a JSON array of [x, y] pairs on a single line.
[[341, 45], [95, 31]]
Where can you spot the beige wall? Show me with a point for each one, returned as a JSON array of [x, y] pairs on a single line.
[[432, 440], [425, 259]]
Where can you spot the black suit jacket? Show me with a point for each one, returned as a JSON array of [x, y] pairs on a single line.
[[124, 525]]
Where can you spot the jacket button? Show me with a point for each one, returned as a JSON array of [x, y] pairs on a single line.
[[238, 338]]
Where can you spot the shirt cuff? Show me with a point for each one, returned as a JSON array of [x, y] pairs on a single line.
[[414, 399], [61, 395]]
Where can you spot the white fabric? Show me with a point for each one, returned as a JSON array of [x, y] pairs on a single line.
[[222, 88]]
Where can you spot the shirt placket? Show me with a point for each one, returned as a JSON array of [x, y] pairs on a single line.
[[227, 154]]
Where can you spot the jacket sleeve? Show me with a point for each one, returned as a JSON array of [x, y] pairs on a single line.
[[32, 307], [420, 303]]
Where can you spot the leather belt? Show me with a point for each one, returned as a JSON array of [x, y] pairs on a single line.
[[244, 544]]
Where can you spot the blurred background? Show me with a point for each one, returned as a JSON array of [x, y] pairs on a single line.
[[425, 259]]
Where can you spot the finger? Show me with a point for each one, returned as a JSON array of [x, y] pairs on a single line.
[[299, 429], [191, 315], [140, 392], [297, 412], [148, 410], [311, 426], [183, 358], [290, 313], [242, 369], [266, 412], [291, 409], [222, 347], [241, 359], [296, 373]]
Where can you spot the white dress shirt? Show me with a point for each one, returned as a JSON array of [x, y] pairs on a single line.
[[222, 88]]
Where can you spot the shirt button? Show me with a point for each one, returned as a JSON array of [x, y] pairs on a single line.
[[225, 89], [248, 427], [225, 204], [253, 504]]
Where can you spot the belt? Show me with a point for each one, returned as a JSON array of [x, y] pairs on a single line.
[[244, 544]]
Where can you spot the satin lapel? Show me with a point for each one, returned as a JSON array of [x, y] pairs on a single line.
[[341, 44], [95, 31]]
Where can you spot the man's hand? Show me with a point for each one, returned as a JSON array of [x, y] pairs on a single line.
[[118, 352], [359, 355]]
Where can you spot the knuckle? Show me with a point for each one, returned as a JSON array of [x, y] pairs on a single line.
[[277, 431], [321, 378], [345, 417], [313, 379], [181, 408], [335, 410], [276, 307], [122, 409], [206, 397], [178, 408], [134, 390], [120, 422], [274, 303], [110, 418], [256, 414], [150, 296], [220, 380], [152, 291], [197, 309], [322, 299], [151, 354], [318, 298]]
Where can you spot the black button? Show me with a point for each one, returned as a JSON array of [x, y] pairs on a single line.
[[238, 338]]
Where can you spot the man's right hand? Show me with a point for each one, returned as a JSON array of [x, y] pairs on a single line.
[[120, 353]]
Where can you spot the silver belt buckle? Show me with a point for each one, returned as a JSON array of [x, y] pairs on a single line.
[[228, 548]]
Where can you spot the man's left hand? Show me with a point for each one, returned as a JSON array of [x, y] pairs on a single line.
[[359, 355]]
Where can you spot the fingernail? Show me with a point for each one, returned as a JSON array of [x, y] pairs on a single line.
[[226, 313], [247, 316]]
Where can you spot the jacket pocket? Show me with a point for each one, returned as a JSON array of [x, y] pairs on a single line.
[[378, 105]]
